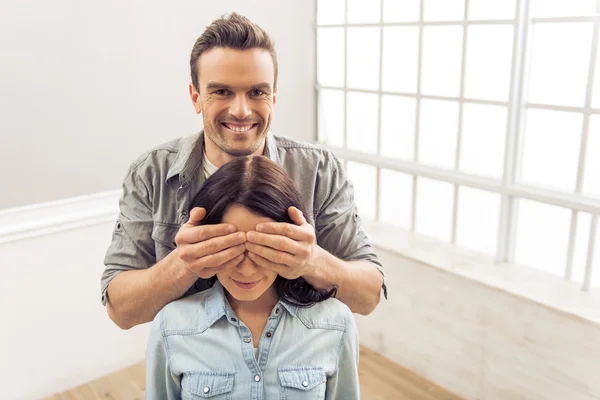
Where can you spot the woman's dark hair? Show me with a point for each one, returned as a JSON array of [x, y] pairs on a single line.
[[260, 185]]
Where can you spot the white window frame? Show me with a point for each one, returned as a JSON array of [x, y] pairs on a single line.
[[507, 187]]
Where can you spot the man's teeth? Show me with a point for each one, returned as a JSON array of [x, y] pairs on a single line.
[[239, 128]]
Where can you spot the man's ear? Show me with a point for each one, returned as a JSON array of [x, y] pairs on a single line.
[[274, 98], [195, 97]]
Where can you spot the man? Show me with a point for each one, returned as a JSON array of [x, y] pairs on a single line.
[[159, 253]]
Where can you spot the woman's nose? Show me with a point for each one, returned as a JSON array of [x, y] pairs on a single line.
[[247, 266]]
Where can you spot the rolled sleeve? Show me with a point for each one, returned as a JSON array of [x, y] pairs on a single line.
[[338, 225], [132, 247]]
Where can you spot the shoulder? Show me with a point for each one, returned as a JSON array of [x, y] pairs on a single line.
[[298, 151], [328, 314], [186, 315]]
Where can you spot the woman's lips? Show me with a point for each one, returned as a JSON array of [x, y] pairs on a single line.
[[246, 285]]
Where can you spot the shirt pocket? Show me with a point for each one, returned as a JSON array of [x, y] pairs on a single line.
[[207, 385], [164, 239], [302, 383]]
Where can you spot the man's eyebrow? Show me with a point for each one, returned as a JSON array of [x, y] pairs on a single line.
[[217, 85], [266, 87]]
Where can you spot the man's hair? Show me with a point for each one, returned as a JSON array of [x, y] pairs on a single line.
[[232, 31], [261, 186]]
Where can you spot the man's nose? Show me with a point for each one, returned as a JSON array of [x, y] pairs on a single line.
[[240, 109]]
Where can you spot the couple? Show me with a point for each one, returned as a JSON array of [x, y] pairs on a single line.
[[241, 326]]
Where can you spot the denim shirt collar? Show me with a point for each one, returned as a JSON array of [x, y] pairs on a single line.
[[189, 159], [217, 306]]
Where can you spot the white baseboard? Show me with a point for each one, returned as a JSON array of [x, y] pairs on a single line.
[[55, 216]]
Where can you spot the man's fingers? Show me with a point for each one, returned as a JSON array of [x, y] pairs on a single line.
[[197, 214], [276, 256], [296, 216], [202, 233], [215, 259], [281, 269], [300, 233], [209, 272], [278, 242]]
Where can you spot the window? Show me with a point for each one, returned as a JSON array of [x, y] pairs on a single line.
[[476, 122]]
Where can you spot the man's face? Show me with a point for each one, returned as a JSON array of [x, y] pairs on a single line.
[[236, 98]]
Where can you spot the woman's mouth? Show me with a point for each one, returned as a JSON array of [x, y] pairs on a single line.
[[246, 285]]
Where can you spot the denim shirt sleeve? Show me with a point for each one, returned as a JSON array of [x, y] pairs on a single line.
[[345, 384], [337, 223], [164, 385], [132, 246]]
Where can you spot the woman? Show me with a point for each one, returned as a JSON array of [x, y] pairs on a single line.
[[253, 334]]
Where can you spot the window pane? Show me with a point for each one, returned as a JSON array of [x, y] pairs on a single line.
[[492, 9], [363, 58], [559, 63], [551, 149], [596, 262], [582, 238], [330, 56], [330, 12], [401, 11], [438, 133], [542, 236], [477, 222], [488, 64], [364, 179], [483, 139], [442, 46], [591, 177], [398, 116], [395, 198], [331, 117], [434, 208], [562, 8], [400, 58], [362, 121], [444, 10], [596, 91], [363, 11]]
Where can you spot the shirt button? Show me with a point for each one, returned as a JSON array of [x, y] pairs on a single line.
[[277, 311], [206, 389], [257, 378], [184, 213], [304, 383], [233, 320], [269, 334], [246, 340]]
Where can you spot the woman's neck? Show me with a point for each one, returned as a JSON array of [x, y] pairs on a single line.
[[263, 305]]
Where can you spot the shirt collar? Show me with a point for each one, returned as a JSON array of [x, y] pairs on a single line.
[[216, 306], [189, 157]]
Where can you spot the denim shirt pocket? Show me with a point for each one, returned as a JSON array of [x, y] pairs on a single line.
[[164, 239], [299, 383], [208, 385]]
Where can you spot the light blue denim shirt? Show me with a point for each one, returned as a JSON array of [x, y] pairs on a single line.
[[199, 349]]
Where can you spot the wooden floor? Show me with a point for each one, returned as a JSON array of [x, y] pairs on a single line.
[[380, 379]]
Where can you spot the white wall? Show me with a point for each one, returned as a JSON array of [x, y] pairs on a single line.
[[85, 87], [55, 332], [479, 342]]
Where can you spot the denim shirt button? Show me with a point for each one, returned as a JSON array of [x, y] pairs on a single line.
[[206, 389], [246, 340], [269, 334], [305, 383], [257, 378]]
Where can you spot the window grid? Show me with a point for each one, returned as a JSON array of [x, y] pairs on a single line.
[[508, 187]]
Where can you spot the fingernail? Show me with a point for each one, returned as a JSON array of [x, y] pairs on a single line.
[[240, 235], [259, 228]]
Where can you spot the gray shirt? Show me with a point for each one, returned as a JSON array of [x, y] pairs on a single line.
[[160, 184]]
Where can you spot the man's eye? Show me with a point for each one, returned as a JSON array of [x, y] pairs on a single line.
[[257, 92], [222, 92]]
